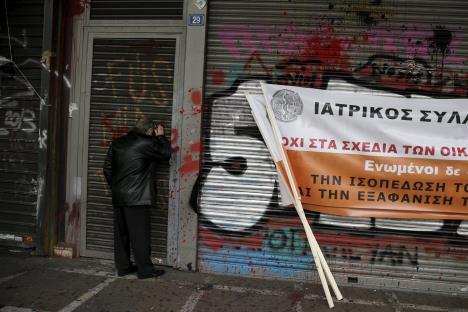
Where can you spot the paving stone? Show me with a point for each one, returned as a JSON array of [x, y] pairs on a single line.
[[442, 301], [340, 306], [45, 289], [138, 295], [219, 300]]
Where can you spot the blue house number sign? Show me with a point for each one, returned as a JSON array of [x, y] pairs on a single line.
[[196, 19]]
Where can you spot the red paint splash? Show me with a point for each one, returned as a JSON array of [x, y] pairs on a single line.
[[210, 239], [195, 96], [72, 216], [77, 7], [195, 147], [189, 165], [329, 49], [28, 240], [191, 162], [218, 77], [366, 72], [215, 241], [116, 131], [174, 140]]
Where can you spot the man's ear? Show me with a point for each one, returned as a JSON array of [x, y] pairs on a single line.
[[149, 131]]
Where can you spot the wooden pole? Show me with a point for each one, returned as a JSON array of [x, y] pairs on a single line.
[[322, 266]]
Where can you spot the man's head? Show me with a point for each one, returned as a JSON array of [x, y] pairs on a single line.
[[144, 125]]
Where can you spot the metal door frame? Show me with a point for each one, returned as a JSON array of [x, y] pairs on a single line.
[[84, 78]]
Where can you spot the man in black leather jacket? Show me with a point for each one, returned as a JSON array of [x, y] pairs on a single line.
[[127, 169]]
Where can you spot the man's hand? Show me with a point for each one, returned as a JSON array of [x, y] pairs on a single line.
[[159, 130]]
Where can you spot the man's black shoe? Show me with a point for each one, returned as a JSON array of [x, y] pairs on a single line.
[[155, 273], [130, 270]]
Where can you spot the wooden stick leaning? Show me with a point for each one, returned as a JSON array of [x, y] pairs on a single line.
[[312, 242], [270, 138], [316, 252]]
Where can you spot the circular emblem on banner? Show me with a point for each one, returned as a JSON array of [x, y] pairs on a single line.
[[286, 105]]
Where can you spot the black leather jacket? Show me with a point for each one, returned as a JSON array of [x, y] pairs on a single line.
[[128, 165]]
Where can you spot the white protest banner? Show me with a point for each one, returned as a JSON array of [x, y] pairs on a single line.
[[375, 156]]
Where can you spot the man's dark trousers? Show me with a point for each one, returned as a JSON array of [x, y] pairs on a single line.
[[132, 229]]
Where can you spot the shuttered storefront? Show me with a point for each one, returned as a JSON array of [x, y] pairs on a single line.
[[137, 10], [130, 77], [412, 48], [19, 119]]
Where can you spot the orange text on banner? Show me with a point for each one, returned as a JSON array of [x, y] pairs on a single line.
[[385, 187]]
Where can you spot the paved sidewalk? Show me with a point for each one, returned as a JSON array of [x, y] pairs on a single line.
[[30, 283]]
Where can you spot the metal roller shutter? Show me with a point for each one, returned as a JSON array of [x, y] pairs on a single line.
[[130, 77], [137, 10], [19, 118], [412, 48]]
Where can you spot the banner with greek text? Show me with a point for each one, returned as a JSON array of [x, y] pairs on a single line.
[[374, 156]]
